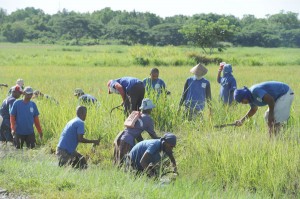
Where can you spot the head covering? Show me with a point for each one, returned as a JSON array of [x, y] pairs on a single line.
[[20, 82], [170, 138], [147, 104], [199, 70], [28, 90], [227, 69], [110, 85], [78, 91], [17, 88], [243, 93]]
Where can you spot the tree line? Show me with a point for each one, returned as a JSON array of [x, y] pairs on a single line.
[[208, 31]]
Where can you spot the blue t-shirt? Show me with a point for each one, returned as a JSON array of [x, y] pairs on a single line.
[[86, 98], [127, 82], [157, 84], [153, 147], [144, 123], [196, 93], [228, 85], [68, 139], [4, 111], [273, 88], [25, 114]]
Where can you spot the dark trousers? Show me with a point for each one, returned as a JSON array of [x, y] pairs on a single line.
[[28, 139], [134, 98], [5, 133]]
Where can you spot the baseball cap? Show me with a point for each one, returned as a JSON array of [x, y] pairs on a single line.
[[78, 91], [28, 90], [17, 88], [170, 138]]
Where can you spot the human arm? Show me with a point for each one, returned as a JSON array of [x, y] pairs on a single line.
[[13, 124], [172, 159], [219, 72], [271, 103], [250, 113], [184, 93], [84, 140], [5, 85], [38, 126], [208, 97], [119, 88]]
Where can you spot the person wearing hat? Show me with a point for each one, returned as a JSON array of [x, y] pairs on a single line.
[[126, 140], [132, 91], [71, 135], [227, 82], [196, 91], [5, 130], [39, 95], [154, 83], [19, 82], [146, 155], [85, 98], [23, 114], [277, 95]]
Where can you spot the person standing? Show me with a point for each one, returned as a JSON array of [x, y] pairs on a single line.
[[145, 155], [277, 95], [227, 82], [24, 113], [132, 91], [71, 135], [127, 139], [196, 92], [154, 83], [5, 130]]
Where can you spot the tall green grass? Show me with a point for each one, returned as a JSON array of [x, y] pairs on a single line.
[[213, 163]]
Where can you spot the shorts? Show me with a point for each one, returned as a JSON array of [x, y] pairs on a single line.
[[20, 139], [282, 107], [76, 160]]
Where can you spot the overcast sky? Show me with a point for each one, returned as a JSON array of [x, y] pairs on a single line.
[[163, 8]]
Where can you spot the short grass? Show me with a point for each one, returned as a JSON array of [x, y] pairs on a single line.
[[228, 163]]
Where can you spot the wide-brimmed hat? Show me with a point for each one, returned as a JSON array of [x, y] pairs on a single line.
[[147, 104], [199, 70]]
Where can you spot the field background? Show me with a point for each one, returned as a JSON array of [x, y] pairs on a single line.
[[229, 163]]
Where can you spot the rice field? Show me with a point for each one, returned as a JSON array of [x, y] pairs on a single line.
[[213, 163]]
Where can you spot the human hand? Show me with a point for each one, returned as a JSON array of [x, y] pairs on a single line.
[[239, 123], [271, 120], [96, 142], [41, 136], [221, 66]]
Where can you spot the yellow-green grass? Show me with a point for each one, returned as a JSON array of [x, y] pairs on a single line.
[[232, 162]]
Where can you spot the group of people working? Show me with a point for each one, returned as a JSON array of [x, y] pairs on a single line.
[[20, 115]]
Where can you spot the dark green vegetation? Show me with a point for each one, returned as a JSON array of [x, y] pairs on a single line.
[[213, 163], [208, 31]]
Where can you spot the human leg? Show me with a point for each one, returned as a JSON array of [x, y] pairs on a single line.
[[30, 140]]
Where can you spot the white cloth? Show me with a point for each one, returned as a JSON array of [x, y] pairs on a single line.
[[282, 107]]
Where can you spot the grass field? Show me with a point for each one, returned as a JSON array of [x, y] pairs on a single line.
[[228, 163]]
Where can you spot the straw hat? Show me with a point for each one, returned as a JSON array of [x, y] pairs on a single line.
[[199, 70]]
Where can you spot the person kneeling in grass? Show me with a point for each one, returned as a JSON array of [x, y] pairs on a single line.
[[69, 139], [145, 155]]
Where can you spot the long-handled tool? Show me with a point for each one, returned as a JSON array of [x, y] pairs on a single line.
[[225, 125], [117, 107]]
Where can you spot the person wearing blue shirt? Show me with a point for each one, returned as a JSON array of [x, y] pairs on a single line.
[[145, 155], [277, 95], [71, 135], [23, 114], [227, 82], [5, 130], [196, 92], [84, 98], [132, 91], [154, 83]]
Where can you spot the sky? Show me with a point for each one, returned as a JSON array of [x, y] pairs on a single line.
[[162, 8]]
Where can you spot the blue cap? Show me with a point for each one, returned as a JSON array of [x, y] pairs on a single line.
[[240, 94], [227, 68], [170, 138]]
